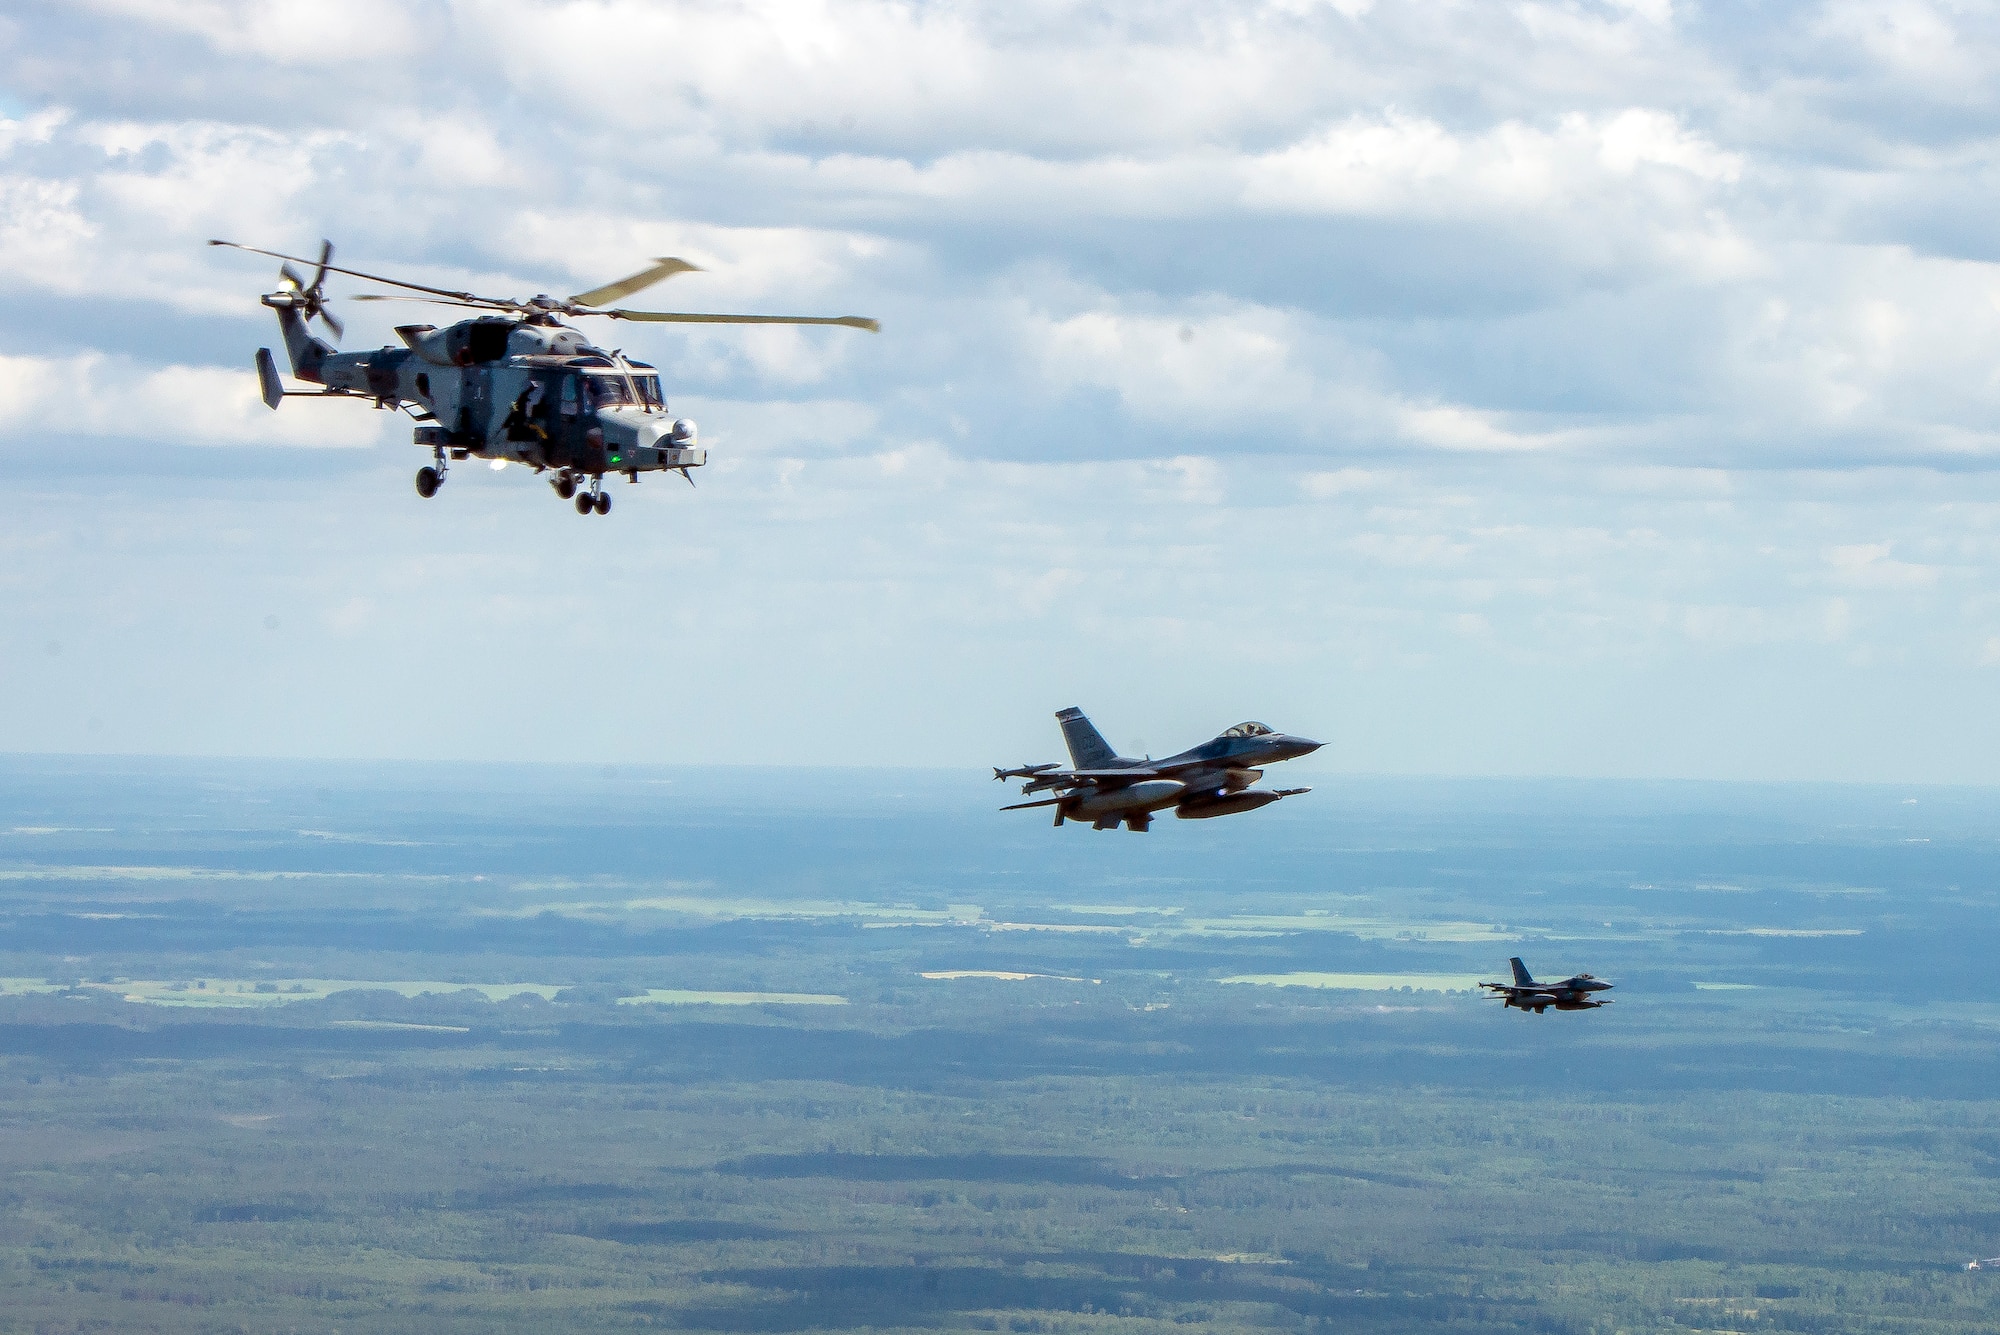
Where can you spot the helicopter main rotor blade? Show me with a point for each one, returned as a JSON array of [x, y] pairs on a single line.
[[477, 303], [371, 277], [681, 317], [625, 287]]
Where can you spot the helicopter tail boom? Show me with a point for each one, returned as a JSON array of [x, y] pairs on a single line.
[[305, 350]]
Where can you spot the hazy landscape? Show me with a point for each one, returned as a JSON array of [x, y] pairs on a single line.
[[431, 1048]]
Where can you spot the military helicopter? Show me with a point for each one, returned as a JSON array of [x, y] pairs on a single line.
[[513, 383]]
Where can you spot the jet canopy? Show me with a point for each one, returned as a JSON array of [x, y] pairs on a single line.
[[1248, 730]]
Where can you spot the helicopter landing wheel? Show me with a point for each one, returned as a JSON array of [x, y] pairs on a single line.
[[604, 502], [565, 486], [584, 505], [428, 482]]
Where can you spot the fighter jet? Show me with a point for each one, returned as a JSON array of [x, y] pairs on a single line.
[[1107, 789], [1571, 994]]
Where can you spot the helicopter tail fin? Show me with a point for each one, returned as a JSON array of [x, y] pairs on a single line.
[[268, 384]]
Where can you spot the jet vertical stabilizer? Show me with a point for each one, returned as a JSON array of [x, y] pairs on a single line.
[[1087, 747], [1522, 978]]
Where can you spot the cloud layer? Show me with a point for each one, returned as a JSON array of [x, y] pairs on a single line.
[[1557, 386]]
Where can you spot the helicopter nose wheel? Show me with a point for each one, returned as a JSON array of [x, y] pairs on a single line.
[[604, 502], [584, 505]]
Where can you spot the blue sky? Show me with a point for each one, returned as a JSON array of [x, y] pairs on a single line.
[[1572, 388]]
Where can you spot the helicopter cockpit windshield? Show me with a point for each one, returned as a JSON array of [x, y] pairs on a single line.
[[609, 391], [1248, 730], [615, 391]]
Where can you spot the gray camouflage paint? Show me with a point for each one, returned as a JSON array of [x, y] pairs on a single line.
[[468, 380], [1105, 789]]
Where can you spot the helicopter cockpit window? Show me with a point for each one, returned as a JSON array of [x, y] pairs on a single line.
[[609, 390], [1248, 730], [649, 391]]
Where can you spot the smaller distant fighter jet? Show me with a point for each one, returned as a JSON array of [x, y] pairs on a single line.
[[1571, 994], [1989, 1263], [1107, 790]]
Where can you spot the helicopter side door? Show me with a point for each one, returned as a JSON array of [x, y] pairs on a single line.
[[562, 419], [510, 391], [575, 439], [532, 426], [475, 404]]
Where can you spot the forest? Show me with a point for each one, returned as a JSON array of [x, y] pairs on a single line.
[[282, 1050]]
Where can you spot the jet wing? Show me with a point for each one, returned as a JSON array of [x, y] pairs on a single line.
[[1077, 778]]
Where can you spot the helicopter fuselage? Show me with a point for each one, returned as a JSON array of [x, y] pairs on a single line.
[[515, 385], [527, 391]]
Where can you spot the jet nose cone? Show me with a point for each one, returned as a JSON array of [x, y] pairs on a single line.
[[1303, 746]]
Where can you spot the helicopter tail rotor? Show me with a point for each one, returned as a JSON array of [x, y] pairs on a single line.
[[311, 297]]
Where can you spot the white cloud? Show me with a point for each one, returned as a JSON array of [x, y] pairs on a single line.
[[1466, 429], [182, 405], [1869, 565], [289, 32], [1602, 343], [1340, 481]]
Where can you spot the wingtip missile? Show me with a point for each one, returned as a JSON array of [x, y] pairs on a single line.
[[1024, 772]]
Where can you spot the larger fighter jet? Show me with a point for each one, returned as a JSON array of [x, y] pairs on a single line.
[[1107, 789], [1571, 994]]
